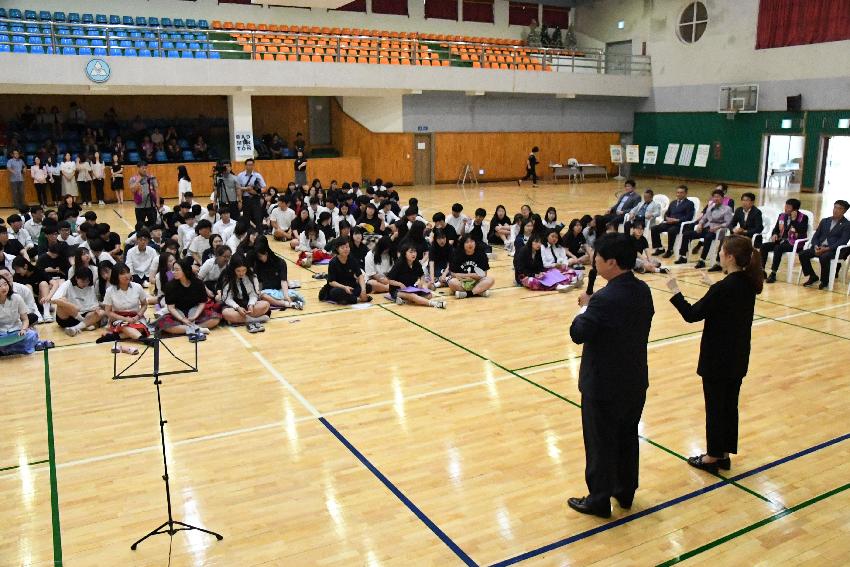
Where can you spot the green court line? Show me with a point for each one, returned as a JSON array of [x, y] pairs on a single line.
[[564, 398], [13, 467], [51, 456], [755, 526]]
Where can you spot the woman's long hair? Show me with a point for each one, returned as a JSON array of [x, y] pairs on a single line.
[[183, 173], [747, 257]]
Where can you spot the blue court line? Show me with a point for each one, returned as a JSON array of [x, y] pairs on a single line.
[[400, 495], [658, 507]]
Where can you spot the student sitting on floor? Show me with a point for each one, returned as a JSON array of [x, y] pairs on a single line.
[[141, 258], [469, 268], [15, 325], [125, 304], [211, 270], [500, 228], [199, 244], [346, 282], [379, 261], [551, 222], [576, 245], [529, 269], [644, 262], [39, 283], [190, 312], [407, 272], [77, 307], [240, 294], [34, 314], [271, 274], [439, 258]]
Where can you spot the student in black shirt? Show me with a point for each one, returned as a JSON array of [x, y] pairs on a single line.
[[359, 250], [415, 237], [439, 257], [270, 270], [528, 263], [500, 227], [407, 272], [439, 220], [186, 299], [530, 168], [469, 270], [346, 284], [54, 261]]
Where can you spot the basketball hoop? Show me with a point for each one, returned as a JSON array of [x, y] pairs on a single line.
[[730, 114]]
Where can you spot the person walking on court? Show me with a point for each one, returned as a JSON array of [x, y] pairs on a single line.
[[727, 309], [613, 325], [530, 168]]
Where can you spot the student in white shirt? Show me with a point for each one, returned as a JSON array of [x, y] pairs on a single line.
[[184, 183], [98, 175], [33, 225], [343, 214], [186, 232], [239, 234], [76, 303], [125, 304], [552, 253], [311, 239], [225, 225], [201, 241], [213, 267], [386, 212], [16, 232], [281, 220], [457, 220], [379, 261], [141, 258], [240, 293], [315, 209], [25, 292]]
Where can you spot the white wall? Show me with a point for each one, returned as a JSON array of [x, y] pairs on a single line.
[[210, 10], [686, 77], [378, 114]]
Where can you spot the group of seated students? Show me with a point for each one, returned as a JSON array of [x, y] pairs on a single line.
[[198, 266]]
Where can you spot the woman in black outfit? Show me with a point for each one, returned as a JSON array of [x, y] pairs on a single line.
[[530, 168], [727, 309]]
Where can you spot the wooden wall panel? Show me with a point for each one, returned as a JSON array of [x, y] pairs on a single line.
[[286, 115], [126, 106], [502, 154], [276, 173], [388, 156]]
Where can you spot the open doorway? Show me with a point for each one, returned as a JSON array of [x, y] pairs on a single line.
[[783, 165], [835, 170]]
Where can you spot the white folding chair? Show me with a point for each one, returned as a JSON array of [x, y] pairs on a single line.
[[769, 215]]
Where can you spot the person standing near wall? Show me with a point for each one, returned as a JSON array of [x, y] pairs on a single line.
[[16, 167], [144, 188], [252, 185], [530, 168]]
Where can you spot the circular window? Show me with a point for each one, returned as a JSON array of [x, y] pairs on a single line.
[[692, 22]]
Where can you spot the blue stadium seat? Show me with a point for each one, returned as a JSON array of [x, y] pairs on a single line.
[[106, 157], [191, 24], [5, 48], [141, 21], [30, 160], [150, 35], [66, 41], [31, 15], [18, 39], [15, 14], [178, 23], [4, 38], [131, 52], [136, 34], [37, 49], [173, 53], [101, 19], [167, 45], [181, 45], [128, 21], [156, 53], [200, 55], [4, 28], [165, 22], [133, 157], [120, 34], [98, 43], [115, 52], [125, 43], [145, 53], [195, 46], [188, 155], [153, 22], [140, 44], [58, 16], [88, 18], [44, 16], [84, 51], [82, 43], [18, 48], [114, 20], [152, 45], [17, 29], [160, 156], [183, 143], [131, 145], [63, 31], [35, 39], [33, 29], [100, 51], [73, 18], [187, 55], [203, 24], [78, 31], [69, 51], [3, 13], [215, 55]]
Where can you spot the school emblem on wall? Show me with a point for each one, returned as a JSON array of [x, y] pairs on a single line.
[[97, 70]]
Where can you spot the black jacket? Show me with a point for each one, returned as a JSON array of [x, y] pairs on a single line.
[[527, 265], [614, 331], [754, 223], [727, 309]]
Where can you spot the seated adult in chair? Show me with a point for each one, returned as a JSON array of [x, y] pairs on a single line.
[[647, 211], [627, 201], [832, 232], [790, 226], [747, 221], [679, 211], [715, 217]]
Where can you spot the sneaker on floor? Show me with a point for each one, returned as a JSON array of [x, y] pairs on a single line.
[[681, 260], [101, 203], [202, 331], [72, 331], [563, 288], [261, 319], [48, 318], [663, 271], [44, 345], [438, 285], [437, 303], [399, 301], [485, 293], [460, 294], [197, 337]]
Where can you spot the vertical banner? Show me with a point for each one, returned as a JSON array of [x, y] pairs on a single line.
[[686, 155], [650, 155], [616, 154], [633, 153], [244, 145], [670, 156], [702, 155]]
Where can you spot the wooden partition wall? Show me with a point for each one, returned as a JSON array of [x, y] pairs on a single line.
[[285, 115], [277, 173], [502, 154]]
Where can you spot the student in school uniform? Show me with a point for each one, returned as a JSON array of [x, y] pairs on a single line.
[[439, 257], [439, 222], [201, 242], [298, 226], [550, 220], [575, 244], [240, 233], [346, 283], [529, 268], [500, 228], [141, 258], [240, 294], [281, 219], [469, 268], [530, 168], [98, 176], [644, 263], [369, 220], [211, 270], [77, 307], [343, 213], [125, 303], [386, 212], [186, 232], [324, 224], [407, 272], [310, 239], [215, 241], [117, 177], [457, 220], [359, 249], [529, 228], [478, 228], [34, 312], [164, 274], [379, 261], [38, 281], [270, 270], [189, 312], [104, 275], [15, 324], [225, 225], [555, 256]]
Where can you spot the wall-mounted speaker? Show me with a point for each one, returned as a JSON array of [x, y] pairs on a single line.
[[794, 103]]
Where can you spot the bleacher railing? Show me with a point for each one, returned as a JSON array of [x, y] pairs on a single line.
[[53, 38]]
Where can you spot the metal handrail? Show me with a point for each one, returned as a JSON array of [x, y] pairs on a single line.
[[337, 47]]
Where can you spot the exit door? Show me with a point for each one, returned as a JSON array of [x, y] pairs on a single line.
[[423, 173]]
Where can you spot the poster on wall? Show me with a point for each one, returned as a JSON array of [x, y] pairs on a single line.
[[616, 154], [686, 155], [244, 145], [670, 156], [702, 155], [650, 155], [633, 153]]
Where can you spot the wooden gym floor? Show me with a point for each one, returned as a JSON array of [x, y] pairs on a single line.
[[397, 435]]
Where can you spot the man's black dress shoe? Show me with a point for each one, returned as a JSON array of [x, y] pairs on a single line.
[[668, 254], [581, 505], [771, 278], [811, 281], [715, 268]]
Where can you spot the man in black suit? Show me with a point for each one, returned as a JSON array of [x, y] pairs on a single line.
[[679, 211], [832, 232], [747, 221], [627, 201], [613, 325]]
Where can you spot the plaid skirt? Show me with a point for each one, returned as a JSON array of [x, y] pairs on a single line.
[[141, 326], [212, 310]]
